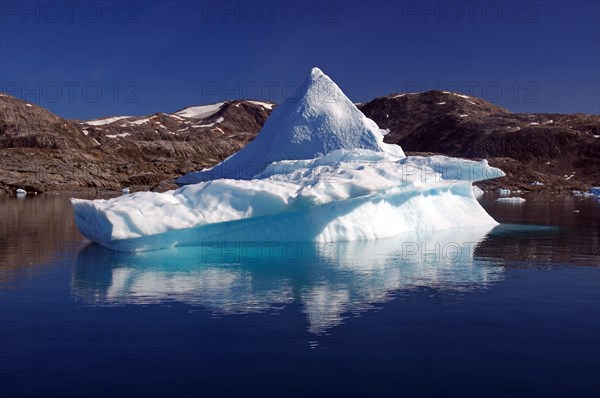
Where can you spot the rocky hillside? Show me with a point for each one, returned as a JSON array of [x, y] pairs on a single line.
[[25, 125], [206, 133], [41, 152], [561, 151]]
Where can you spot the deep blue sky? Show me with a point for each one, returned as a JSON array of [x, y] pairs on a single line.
[[150, 56]]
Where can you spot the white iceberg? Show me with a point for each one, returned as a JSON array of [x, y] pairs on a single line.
[[317, 172], [513, 199]]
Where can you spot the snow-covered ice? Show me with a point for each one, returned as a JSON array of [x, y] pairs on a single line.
[[318, 171], [514, 199], [478, 192], [503, 192]]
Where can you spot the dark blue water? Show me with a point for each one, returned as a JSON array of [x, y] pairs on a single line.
[[511, 311]]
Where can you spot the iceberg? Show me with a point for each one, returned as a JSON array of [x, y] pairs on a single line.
[[512, 199], [318, 171], [478, 192]]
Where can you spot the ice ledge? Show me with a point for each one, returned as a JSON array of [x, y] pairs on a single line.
[[342, 196]]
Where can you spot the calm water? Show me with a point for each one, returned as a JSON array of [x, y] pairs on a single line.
[[512, 311]]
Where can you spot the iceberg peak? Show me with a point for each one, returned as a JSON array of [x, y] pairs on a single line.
[[315, 73], [318, 120]]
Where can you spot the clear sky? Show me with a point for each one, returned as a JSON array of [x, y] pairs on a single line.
[[96, 58]]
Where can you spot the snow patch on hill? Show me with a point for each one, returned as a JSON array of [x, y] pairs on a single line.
[[109, 120], [200, 112]]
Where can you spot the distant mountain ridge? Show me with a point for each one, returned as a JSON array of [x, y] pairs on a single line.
[[560, 150], [43, 152], [208, 132], [460, 125]]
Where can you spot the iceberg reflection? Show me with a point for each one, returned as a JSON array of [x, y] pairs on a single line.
[[329, 280]]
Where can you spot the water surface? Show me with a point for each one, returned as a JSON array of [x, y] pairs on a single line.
[[513, 310]]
